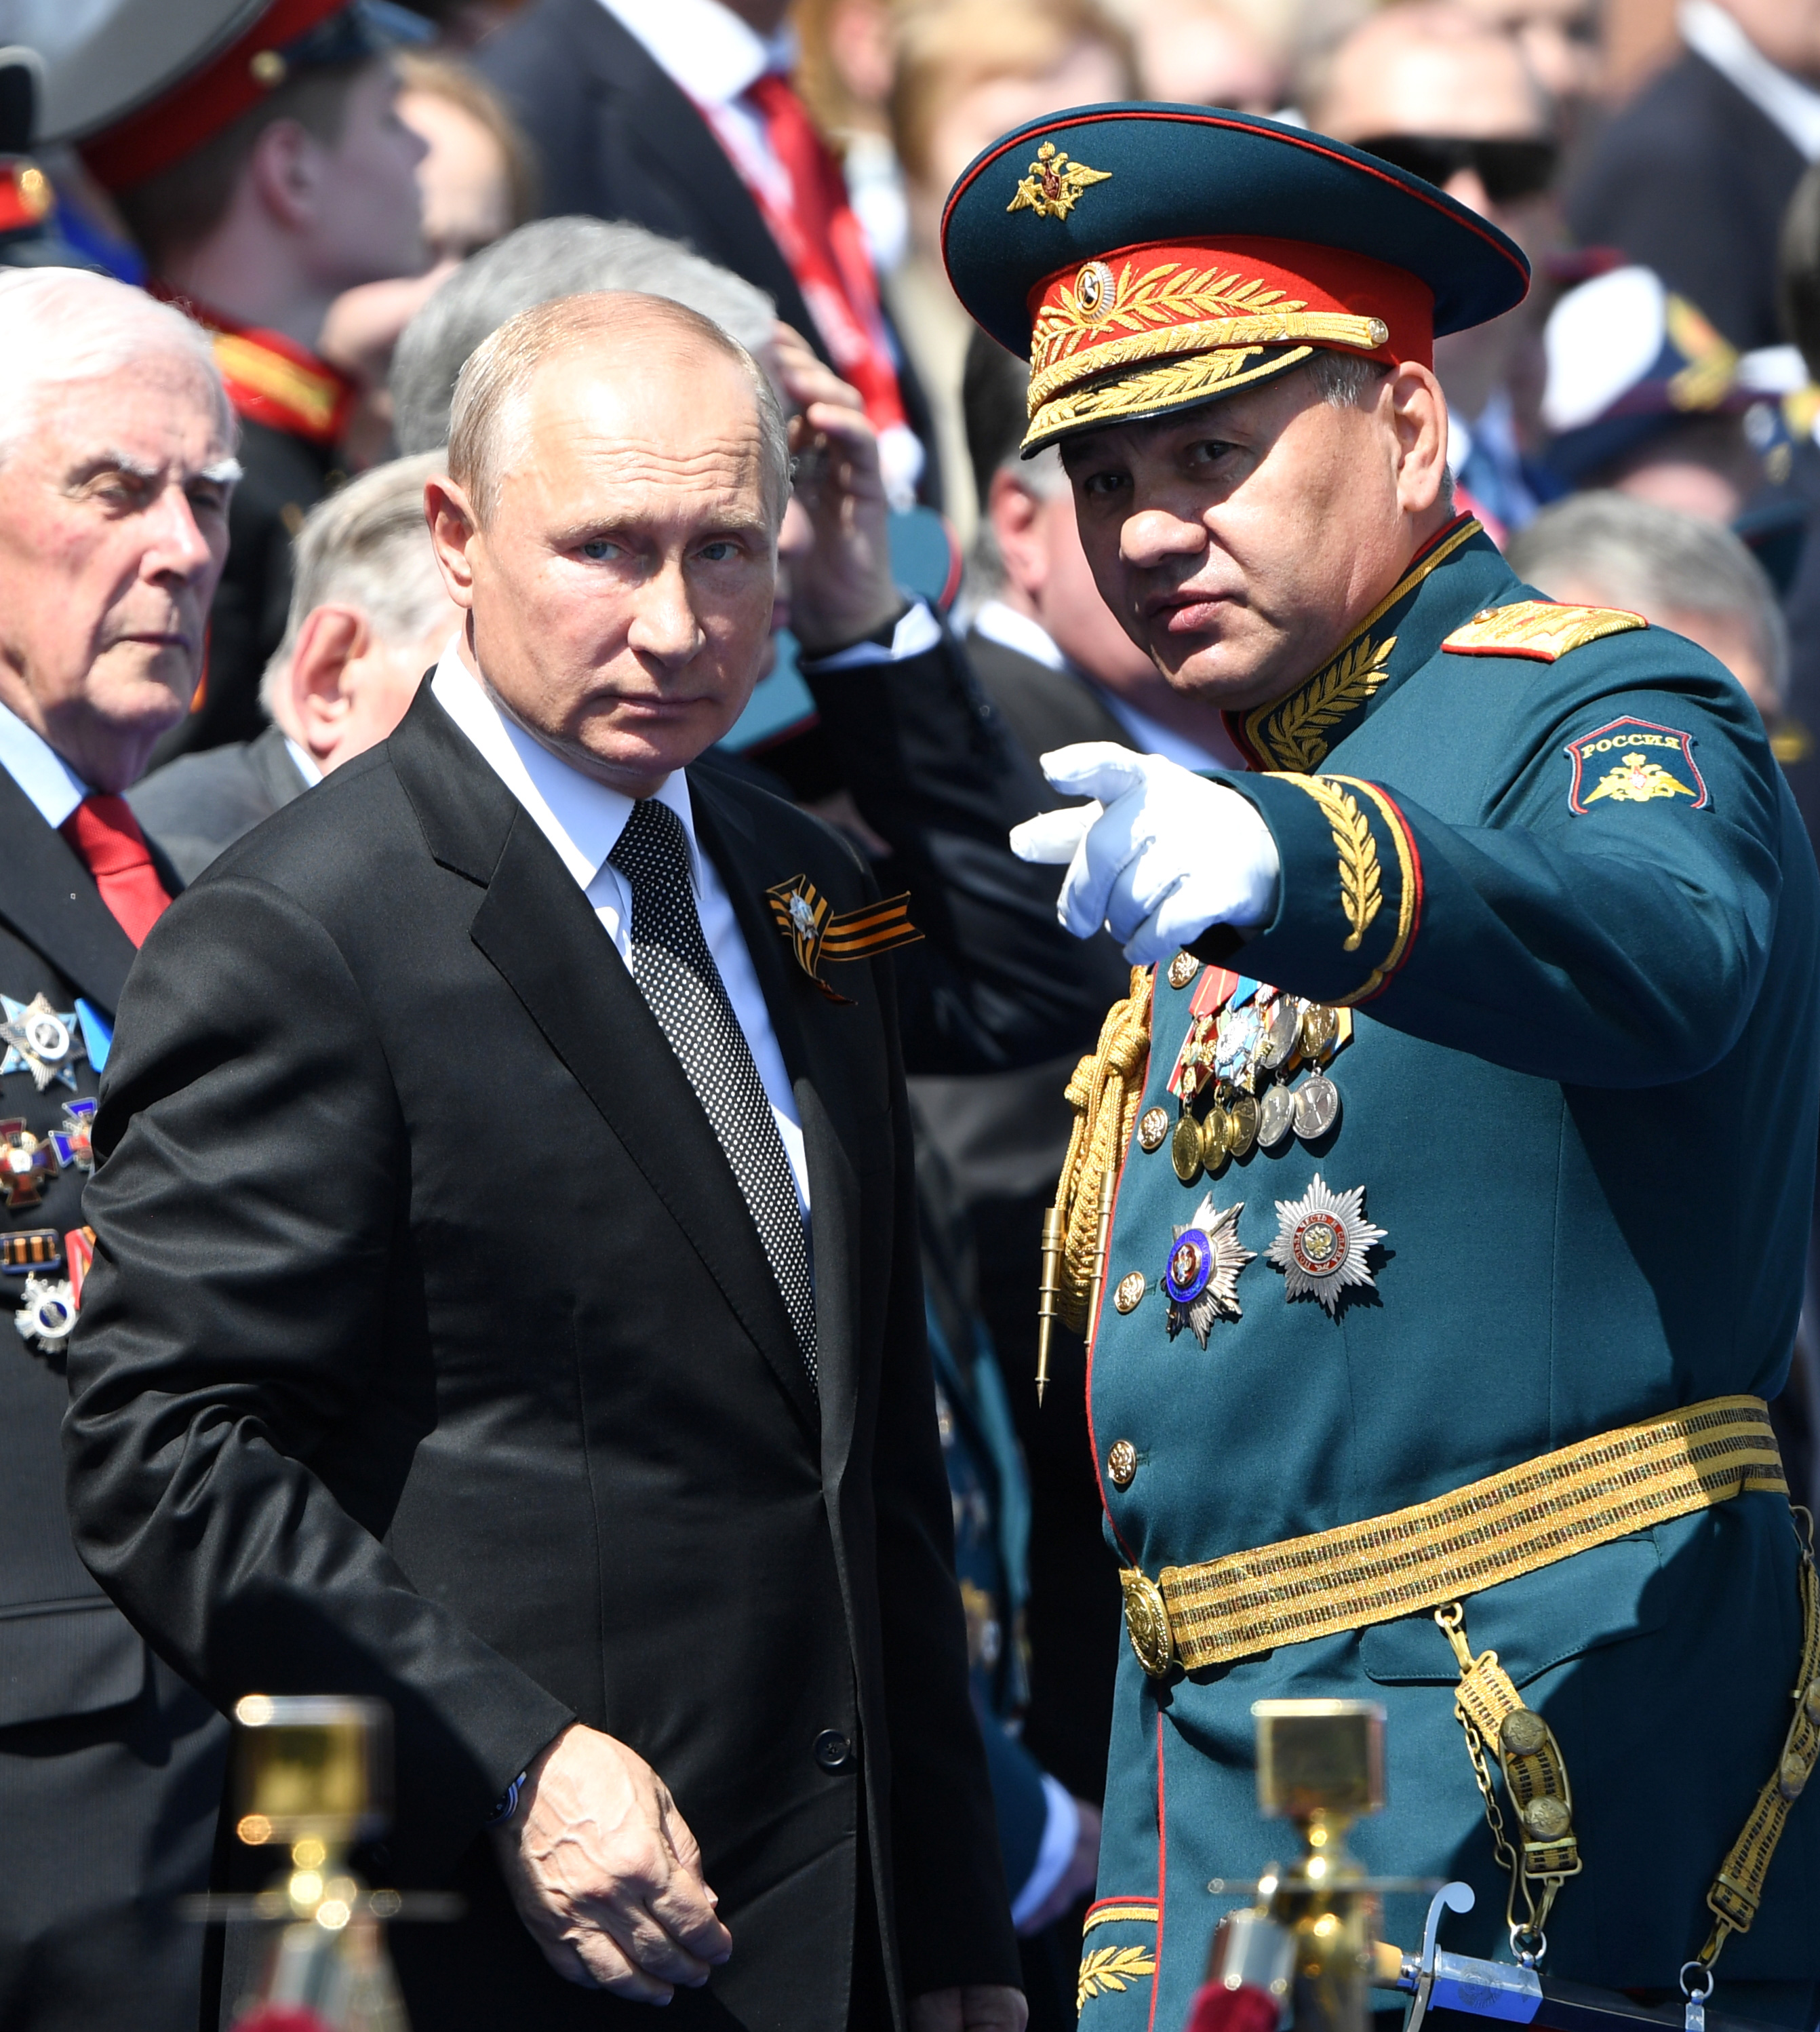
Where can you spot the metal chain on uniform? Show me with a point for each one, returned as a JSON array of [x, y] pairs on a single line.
[[677, 975], [1737, 1890], [1492, 1713]]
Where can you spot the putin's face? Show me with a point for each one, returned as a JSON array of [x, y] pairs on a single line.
[[113, 535], [1240, 543], [620, 588]]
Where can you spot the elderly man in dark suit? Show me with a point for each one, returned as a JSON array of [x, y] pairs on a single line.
[[115, 469], [544, 1353]]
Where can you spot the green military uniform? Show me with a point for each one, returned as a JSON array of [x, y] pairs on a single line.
[[1496, 1138], [1580, 1103]]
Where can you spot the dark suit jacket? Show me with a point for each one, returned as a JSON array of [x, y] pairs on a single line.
[[1691, 180], [1043, 708], [468, 1385], [616, 138], [198, 804], [110, 1768]]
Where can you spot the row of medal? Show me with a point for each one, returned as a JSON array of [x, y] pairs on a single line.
[[47, 1043], [1245, 1043]]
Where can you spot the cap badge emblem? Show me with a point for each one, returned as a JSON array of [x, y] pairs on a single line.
[[1096, 291], [1054, 184]]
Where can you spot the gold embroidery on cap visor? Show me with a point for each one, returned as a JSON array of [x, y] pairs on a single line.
[[1209, 324]]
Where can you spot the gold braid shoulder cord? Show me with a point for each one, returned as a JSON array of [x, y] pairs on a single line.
[[1106, 1091], [1492, 1713]]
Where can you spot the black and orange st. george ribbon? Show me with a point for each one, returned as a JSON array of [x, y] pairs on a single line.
[[818, 934]]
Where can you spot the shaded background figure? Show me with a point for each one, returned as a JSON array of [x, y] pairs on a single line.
[[1439, 90], [479, 180], [1692, 176], [966, 71], [679, 115], [258, 216], [368, 617]]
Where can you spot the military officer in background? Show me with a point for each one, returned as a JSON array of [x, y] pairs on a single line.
[[1460, 1119], [256, 153], [113, 490]]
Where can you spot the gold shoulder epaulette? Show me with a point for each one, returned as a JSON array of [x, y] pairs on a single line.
[[1538, 628]]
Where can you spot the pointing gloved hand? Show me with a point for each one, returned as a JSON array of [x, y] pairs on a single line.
[[1159, 856]]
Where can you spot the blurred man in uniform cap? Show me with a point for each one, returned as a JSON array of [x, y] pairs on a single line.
[[115, 467], [1462, 1114], [263, 169]]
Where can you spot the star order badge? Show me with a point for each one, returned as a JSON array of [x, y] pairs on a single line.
[[1053, 186], [40, 1041], [1201, 1282], [1322, 1239]]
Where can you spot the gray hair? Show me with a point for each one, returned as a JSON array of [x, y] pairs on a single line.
[[486, 422], [552, 258], [366, 546], [1637, 553], [60, 325]]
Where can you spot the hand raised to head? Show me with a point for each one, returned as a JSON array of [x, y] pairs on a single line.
[[835, 545], [606, 1874]]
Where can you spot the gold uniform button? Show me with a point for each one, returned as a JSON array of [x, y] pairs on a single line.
[[1183, 969], [1121, 1463], [1153, 1128], [1523, 1732], [1131, 1291], [1546, 1819]]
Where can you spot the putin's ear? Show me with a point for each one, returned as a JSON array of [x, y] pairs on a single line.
[[331, 640], [454, 528], [1417, 412]]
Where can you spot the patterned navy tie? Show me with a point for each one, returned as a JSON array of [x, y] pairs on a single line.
[[677, 975]]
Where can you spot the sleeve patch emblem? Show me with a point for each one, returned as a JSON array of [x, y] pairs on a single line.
[[1634, 762], [1538, 629]]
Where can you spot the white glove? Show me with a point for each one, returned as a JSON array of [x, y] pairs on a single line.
[[1160, 856]]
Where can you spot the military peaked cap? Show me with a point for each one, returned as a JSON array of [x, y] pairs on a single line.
[[1147, 258]]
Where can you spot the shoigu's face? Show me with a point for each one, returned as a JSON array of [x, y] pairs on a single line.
[[113, 535], [1239, 542], [622, 587]]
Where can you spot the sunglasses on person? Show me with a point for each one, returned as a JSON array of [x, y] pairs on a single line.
[[1509, 170]]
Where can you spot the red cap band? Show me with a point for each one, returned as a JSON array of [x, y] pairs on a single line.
[[200, 106]]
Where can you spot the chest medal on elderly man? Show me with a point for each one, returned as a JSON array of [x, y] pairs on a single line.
[[1528, 1396]]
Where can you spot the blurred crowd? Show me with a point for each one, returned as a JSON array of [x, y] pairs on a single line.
[[1640, 433]]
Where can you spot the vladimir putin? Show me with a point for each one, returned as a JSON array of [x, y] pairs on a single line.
[[506, 1299]]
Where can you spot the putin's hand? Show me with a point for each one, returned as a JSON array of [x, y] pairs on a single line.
[[1160, 854], [606, 1874]]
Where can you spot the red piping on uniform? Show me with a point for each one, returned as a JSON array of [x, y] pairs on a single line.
[[1163, 1875], [1023, 140], [1415, 877]]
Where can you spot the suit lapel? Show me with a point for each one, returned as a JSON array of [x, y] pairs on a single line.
[[807, 1027], [536, 927], [50, 900], [675, 137]]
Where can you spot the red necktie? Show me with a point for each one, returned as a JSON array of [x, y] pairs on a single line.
[[106, 837], [822, 240]]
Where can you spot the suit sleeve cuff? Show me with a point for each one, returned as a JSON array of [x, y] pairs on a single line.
[[916, 632]]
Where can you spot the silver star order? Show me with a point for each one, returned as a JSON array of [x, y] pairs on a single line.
[[29, 1027], [1219, 1298], [47, 1313], [1321, 1243]]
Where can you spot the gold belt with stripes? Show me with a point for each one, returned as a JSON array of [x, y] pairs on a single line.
[[1435, 1552]]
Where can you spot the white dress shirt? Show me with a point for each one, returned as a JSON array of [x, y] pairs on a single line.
[[38, 770], [582, 820]]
